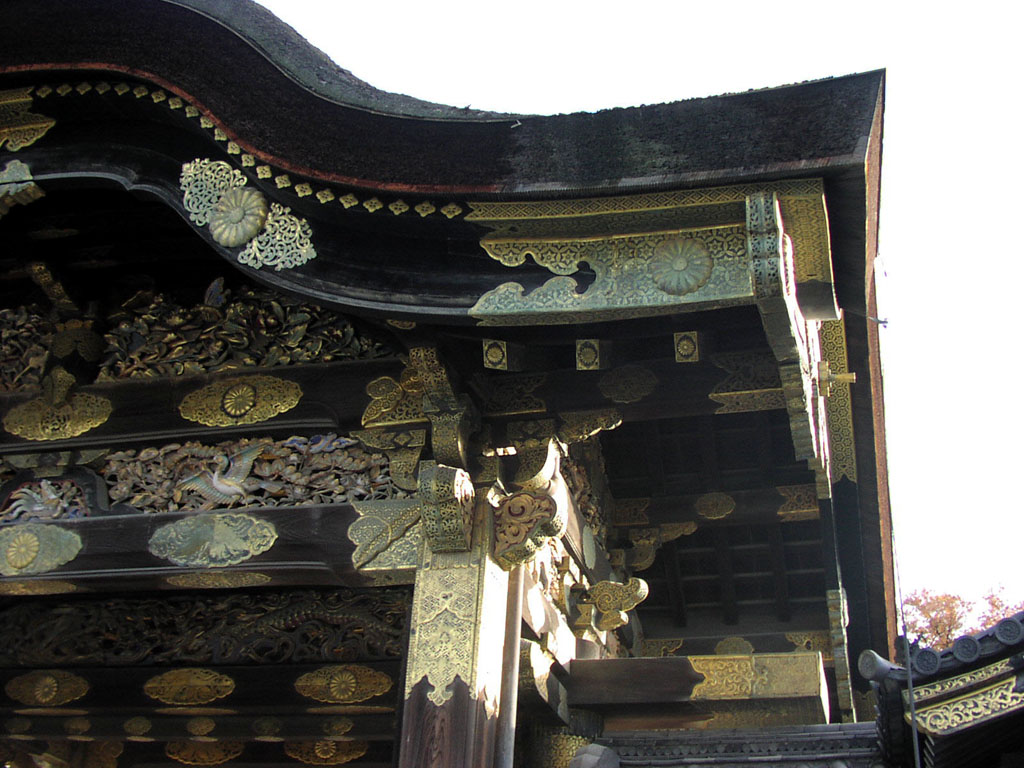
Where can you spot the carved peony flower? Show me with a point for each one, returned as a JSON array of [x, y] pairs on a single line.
[[238, 216], [681, 265]]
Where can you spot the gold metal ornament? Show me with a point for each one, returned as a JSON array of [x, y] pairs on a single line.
[[17, 186], [76, 726], [283, 243], [613, 600], [36, 548], [40, 419], [238, 215], [47, 688], [40, 587], [137, 726], [20, 128], [213, 540], [203, 752], [681, 265], [628, 384], [240, 400], [733, 646], [715, 506], [326, 751], [343, 684], [189, 685], [203, 182], [200, 726]]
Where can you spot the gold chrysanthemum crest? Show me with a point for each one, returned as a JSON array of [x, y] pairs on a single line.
[[46, 688], [190, 685], [343, 684], [238, 216], [681, 265], [240, 400], [36, 548]]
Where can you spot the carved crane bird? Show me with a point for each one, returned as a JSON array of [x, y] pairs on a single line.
[[227, 482]]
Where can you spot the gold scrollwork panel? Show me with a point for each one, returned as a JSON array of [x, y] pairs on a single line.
[[240, 400]]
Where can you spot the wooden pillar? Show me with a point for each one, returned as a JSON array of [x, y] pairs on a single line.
[[453, 677]]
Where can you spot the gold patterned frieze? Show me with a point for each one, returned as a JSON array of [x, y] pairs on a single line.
[[960, 683], [839, 405], [213, 540], [189, 685], [965, 711], [20, 128], [325, 751], [760, 675], [343, 684], [240, 400], [47, 688], [203, 752], [218, 580], [637, 275], [29, 548]]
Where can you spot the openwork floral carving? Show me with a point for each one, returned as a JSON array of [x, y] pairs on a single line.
[[153, 336], [238, 215], [301, 626], [323, 469], [45, 500], [26, 335], [203, 183], [284, 242]]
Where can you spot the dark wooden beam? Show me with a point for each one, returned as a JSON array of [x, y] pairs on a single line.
[[727, 583], [773, 534], [674, 578]]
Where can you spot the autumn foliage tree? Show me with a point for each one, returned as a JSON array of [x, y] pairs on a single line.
[[936, 619]]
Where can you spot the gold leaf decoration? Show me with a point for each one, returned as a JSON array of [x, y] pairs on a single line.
[[715, 506], [628, 384], [207, 541], [41, 420], [325, 752], [218, 580], [40, 587], [36, 548], [18, 127], [203, 183], [200, 726], [47, 688], [343, 684], [189, 685], [76, 726], [733, 646], [283, 243], [137, 726], [240, 400], [203, 752]]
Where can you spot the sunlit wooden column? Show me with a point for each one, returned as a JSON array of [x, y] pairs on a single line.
[[453, 678]]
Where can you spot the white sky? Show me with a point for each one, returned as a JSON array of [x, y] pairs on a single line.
[[950, 246]]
